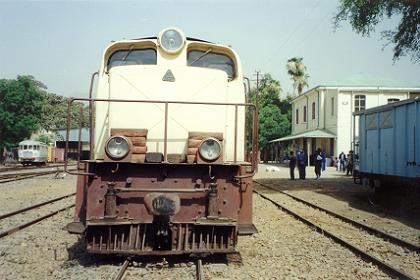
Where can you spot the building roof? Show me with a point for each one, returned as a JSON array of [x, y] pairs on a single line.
[[73, 135], [367, 82], [317, 133]]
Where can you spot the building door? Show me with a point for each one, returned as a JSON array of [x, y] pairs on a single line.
[[331, 152]]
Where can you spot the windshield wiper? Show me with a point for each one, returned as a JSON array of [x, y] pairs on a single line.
[[201, 56], [128, 53]]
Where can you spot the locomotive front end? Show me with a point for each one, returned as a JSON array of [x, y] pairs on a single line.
[[168, 173]]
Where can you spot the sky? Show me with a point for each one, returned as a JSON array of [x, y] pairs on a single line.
[[60, 43]]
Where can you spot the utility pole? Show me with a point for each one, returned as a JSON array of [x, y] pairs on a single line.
[[256, 152]]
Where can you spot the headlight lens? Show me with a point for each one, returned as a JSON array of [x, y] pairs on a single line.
[[210, 149], [117, 147], [171, 40]]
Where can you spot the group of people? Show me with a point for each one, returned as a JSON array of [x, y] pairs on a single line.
[[344, 163], [301, 161]]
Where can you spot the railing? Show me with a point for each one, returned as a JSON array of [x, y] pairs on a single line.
[[166, 103]]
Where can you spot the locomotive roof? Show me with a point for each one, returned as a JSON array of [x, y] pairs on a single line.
[[31, 142], [188, 38]]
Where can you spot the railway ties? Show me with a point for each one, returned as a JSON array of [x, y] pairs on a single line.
[[358, 243]]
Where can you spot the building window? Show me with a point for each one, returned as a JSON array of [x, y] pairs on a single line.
[[359, 103], [332, 106], [304, 113], [297, 116], [313, 110], [393, 100]]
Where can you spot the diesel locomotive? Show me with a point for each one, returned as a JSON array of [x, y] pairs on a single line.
[[169, 172]]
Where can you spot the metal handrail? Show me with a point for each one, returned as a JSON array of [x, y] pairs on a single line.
[[93, 100]]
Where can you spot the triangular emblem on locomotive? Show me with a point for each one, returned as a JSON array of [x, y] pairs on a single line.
[[169, 76]]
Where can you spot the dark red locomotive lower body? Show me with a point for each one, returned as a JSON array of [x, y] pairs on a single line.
[[163, 209]]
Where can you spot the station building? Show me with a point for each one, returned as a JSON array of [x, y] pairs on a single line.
[[322, 117]]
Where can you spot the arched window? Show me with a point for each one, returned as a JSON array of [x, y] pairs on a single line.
[[297, 116], [304, 113]]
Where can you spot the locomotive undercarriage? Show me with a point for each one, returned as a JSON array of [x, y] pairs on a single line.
[[161, 239], [163, 209]]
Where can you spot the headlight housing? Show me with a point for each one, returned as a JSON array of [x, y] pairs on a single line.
[[117, 147], [171, 40], [210, 149]]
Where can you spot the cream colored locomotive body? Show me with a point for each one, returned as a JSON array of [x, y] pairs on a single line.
[[170, 79]]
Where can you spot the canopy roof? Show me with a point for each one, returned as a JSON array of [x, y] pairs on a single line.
[[317, 133]]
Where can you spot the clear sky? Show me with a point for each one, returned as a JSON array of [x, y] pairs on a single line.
[[60, 42]]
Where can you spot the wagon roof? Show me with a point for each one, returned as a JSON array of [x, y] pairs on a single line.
[[31, 142], [387, 106]]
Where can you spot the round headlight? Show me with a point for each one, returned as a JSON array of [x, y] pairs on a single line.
[[117, 147], [171, 40], [210, 149]]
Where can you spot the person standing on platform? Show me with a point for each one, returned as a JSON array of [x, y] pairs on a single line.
[[342, 158], [301, 161], [318, 162], [324, 161], [350, 163], [292, 165]]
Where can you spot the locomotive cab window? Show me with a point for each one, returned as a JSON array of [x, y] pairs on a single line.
[[208, 59], [132, 57]]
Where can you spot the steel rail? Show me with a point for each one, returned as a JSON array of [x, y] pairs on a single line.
[[14, 168], [16, 177], [34, 206], [393, 271], [23, 176], [379, 233], [25, 225], [199, 270], [122, 270]]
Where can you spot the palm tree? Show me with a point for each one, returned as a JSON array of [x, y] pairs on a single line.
[[296, 69]]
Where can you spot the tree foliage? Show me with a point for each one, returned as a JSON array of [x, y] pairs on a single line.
[[297, 71], [273, 120], [54, 112], [20, 107], [365, 15], [26, 106]]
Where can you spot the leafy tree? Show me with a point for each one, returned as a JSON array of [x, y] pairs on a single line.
[[20, 107], [297, 70], [273, 122], [54, 112], [44, 138], [365, 15]]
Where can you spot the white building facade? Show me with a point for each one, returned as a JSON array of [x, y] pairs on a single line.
[[323, 116]]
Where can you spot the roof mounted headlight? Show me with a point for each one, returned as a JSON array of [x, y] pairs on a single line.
[[117, 147], [210, 149], [171, 40]]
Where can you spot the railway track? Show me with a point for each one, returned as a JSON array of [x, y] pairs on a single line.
[[10, 177], [122, 270], [16, 168], [34, 221], [351, 234]]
